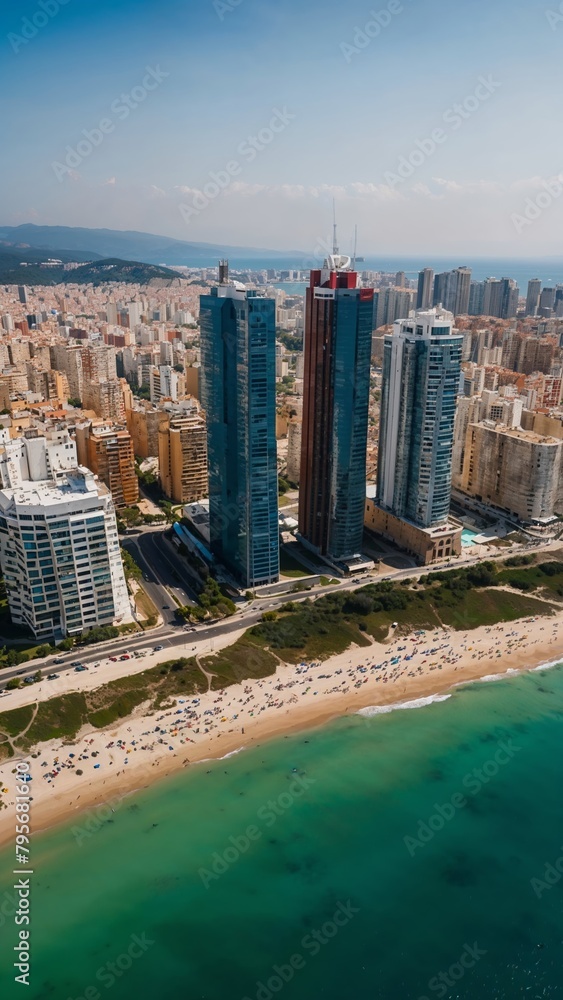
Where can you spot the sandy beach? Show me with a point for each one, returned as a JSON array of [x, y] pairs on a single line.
[[144, 747]]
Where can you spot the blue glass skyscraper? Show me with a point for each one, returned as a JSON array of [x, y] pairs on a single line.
[[238, 394], [421, 379]]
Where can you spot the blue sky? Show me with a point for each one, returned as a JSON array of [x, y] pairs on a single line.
[[355, 103]]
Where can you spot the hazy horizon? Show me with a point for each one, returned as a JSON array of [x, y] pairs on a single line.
[[240, 121]]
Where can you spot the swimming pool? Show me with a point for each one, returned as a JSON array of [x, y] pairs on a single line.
[[468, 537]]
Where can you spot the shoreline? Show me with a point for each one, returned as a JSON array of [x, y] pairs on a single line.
[[297, 698]]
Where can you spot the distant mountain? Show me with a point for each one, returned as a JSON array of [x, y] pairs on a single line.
[[128, 245], [128, 271], [24, 267]]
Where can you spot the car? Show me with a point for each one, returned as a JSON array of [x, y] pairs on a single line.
[[20, 672], [76, 663], [80, 668], [113, 659], [52, 677], [59, 659], [29, 680], [125, 657], [97, 664], [156, 649], [166, 607]]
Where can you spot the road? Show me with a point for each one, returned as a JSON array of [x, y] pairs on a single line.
[[163, 576], [171, 637]]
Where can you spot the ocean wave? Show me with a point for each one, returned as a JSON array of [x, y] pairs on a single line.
[[231, 753], [372, 710], [547, 666], [497, 677]]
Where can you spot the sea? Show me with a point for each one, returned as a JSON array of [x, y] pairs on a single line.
[[390, 855], [548, 269]]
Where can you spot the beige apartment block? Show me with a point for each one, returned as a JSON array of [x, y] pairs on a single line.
[[143, 422], [192, 376], [182, 456], [106, 398], [514, 469], [68, 359], [541, 423], [108, 452]]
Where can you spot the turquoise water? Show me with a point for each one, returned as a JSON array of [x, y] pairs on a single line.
[[468, 537], [334, 854]]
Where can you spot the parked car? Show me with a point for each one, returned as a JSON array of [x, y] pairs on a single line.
[[156, 649], [52, 677], [125, 657], [80, 668]]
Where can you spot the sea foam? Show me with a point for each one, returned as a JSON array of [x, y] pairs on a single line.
[[416, 703]]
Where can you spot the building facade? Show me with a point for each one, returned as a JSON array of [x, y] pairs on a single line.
[[59, 547], [421, 378], [425, 288], [108, 452], [338, 328], [516, 470], [182, 457], [238, 394]]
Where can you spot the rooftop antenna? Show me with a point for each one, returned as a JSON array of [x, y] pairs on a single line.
[[355, 247], [334, 237]]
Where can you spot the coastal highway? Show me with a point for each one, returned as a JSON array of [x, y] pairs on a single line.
[[170, 638], [163, 579]]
